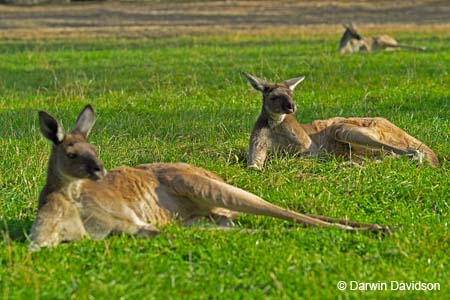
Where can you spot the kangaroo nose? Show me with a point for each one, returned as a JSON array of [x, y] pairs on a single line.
[[289, 107], [101, 173], [97, 171]]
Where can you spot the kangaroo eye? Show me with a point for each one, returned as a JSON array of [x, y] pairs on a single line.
[[71, 155]]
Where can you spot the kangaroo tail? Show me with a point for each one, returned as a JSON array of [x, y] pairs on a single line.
[[407, 47]]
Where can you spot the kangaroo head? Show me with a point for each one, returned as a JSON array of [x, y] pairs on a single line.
[[277, 98], [351, 32], [351, 40], [72, 156]]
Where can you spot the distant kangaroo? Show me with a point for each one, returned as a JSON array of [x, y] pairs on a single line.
[[352, 41], [276, 129], [80, 199]]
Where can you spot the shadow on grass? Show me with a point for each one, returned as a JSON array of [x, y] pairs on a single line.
[[16, 229]]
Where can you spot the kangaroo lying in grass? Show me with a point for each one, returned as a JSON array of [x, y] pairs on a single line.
[[352, 41], [276, 129], [80, 199]]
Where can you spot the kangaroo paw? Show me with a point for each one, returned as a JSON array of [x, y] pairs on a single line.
[[416, 155], [34, 247], [254, 167], [147, 231]]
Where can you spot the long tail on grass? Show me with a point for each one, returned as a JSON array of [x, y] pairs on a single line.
[[407, 47]]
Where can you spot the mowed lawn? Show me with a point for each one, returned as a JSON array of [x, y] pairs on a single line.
[[183, 99]]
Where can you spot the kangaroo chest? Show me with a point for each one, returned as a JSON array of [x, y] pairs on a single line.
[[291, 139]]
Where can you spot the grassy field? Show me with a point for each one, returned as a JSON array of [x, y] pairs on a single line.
[[182, 99]]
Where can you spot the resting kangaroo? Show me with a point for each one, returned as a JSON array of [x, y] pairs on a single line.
[[80, 199], [276, 129], [352, 41]]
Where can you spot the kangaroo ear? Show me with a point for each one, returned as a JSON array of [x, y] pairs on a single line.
[[257, 83], [292, 83], [85, 121], [50, 128]]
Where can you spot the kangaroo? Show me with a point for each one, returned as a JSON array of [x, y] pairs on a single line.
[[276, 129], [352, 41], [80, 199]]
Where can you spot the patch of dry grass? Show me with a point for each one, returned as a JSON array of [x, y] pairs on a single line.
[[152, 19]]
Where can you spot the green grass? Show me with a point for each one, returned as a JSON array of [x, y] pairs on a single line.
[[182, 99]]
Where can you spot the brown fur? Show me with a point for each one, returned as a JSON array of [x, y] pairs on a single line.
[[276, 129], [352, 41], [136, 200]]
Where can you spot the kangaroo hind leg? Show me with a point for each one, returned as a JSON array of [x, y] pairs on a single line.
[[371, 140], [350, 223], [209, 194]]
